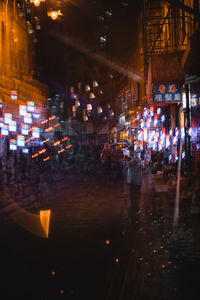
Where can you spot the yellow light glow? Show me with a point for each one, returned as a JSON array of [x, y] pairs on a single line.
[[117, 260], [141, 259], [37, 2], [107, 242], [54, 14], [45, 220]]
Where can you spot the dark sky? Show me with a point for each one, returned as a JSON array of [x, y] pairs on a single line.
[[81, 28]]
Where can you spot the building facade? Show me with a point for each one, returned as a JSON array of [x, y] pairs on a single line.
[[17, 60]]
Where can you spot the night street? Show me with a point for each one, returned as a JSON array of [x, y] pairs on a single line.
[[95, 250], [99, 149]]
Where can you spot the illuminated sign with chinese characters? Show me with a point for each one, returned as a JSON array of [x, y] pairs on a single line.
[[25, 129], [166, 93], [13, 144], [30, 106], [28, 118], [13, 126], [8, 118], [36, 132], [22, 110], [4, 129], [13, 95], [20, 140]]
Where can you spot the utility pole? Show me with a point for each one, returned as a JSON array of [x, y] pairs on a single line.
[[187, 128]]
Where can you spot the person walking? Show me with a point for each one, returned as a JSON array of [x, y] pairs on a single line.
[[106, 160], [134, 180]]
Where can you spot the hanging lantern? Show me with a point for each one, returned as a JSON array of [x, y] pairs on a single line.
[[92, 96], [77, 103], [87, 88], [89, 107], [112, 113], [74, 108], [99, 110], [95, 84], [85, 118]]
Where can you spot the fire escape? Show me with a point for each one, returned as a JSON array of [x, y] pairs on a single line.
[[166, 28]]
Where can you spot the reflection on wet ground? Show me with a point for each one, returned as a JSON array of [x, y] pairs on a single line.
[[97, 250]]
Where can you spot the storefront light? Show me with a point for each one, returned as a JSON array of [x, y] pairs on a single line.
[[163, 118], [184, 102], [159, 111], [155, 122]]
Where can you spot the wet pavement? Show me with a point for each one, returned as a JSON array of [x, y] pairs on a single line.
[[95, 249]]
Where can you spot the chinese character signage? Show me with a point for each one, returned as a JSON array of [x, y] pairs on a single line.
[[166, 93]]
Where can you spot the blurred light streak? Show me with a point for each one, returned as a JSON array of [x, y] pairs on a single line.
[[49, 129], [56, 143], [134, 75], [35, 155], [64, 139], [177, 199], [60, 151], [45, 141], [47, 158], [42, 151], [45, 220], [37, 224], [45, 121], [52, 118], [56, 125], [69, 146]]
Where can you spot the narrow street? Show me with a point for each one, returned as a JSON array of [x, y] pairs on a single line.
[[95, 250]]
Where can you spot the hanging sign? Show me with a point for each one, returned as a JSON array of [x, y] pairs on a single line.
[[13, 126], [24, 129], [28, 118], [166, 93], [13, 144], [30, 106], [4, 129], [8, 118], [20, 140], [36, 132], [13, 95], [22, 110]]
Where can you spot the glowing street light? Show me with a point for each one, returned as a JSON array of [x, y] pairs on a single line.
[[37, 2], [54, 14]]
